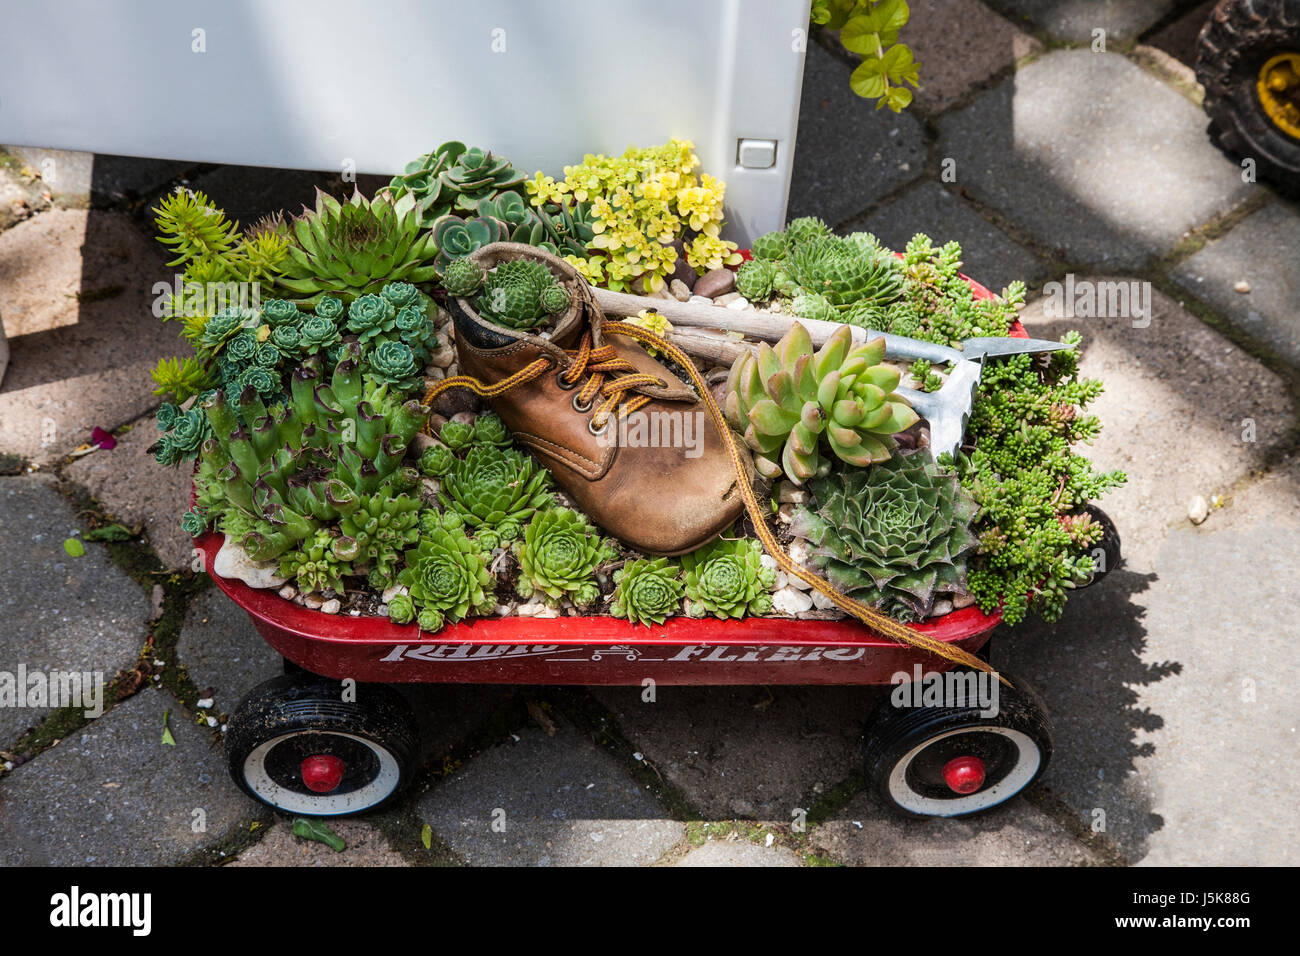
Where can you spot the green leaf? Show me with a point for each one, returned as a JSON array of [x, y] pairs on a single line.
[[110, 532], [74, 547], [320, 832], [167, 737], [860, 35], [426, 836], [867, 80]]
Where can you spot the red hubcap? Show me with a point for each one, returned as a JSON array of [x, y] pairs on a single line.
[[323, 772], [964, 774]]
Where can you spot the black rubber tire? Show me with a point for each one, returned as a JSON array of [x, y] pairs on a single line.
[[1111, 552], [904, 745], [283, 719], [1239, 37]]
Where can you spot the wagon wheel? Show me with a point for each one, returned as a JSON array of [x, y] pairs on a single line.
[[1248, 60], [951, 761], [294, 744]]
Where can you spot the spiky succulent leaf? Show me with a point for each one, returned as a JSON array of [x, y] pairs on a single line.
[[727, 579], [447, 577], [647, 591], [495, 489], [558, 556]]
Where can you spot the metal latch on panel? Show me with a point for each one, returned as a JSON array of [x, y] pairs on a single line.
[[756, 153]]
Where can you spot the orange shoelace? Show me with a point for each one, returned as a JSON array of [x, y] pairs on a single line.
[[598, 363]]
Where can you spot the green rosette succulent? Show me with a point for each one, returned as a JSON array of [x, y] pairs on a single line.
[[794, 405], [558, 557], [394, 363], [263, 382], [754, 279], [447, 577], [456, 435], [456, 238], [843, 272], [225, 324], [402, 294], [893, 536], [287, 338], [513, 292], [436, 461], [371, 316], [489, 429], [647, 591], [319, 563], [805, 229], [814, 305], [267, 356], [454, 178], [382, 526], [495, 490], [194, 523], [770, 246], [345, 250], [240, 348], [277, 312], [415, 329], [183, 434], [330, 307], [554, 299], [318, 333], [726, 578], [401, 609], [462, 278]]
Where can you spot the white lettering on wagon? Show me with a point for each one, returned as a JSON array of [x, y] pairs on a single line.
[[686, 654]]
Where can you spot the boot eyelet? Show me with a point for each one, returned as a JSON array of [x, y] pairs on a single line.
[[591, 426], [582, 409], [559, 380]]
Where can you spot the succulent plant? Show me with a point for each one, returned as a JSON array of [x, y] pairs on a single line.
[[394, 363], [436, 461], [462, 278], [805, 229], [317, 333], [726, 578], [381, 526], [452, 178], [647, 591], [447, 577], [489, 429], [401, 609], [456, 237], [754, 279], [319, 562], [224, 324], [456, 435], [512, 294], [370, 316], [814, 305], [350, 249], [183, 434], [278, 312], [892, 536], [495, 490], [415, 329], [788, 401], [842, 272], [771, 245], [558, 557]]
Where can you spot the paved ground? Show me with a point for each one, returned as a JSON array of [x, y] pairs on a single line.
[[1166, 682]]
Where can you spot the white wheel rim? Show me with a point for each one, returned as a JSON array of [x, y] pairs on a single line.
[[1028, 760], [321, 804]]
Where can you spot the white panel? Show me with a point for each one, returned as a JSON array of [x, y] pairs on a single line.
[[311, 83]]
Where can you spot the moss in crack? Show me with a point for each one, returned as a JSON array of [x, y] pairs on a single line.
[[247, 834]]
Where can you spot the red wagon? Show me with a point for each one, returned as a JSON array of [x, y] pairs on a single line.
[[301, 745]]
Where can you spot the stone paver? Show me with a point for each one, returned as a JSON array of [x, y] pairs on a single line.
[[1074, 20], [1059, 149], [990, 255], [74, 365], [960, 44], [563, 802], [866, 833], [1263, 250], [739, 853], [76, 179], [749, 752], [60, 613], [132, 486], [114, 794], [221, 650], [848, 154], [366, 846]]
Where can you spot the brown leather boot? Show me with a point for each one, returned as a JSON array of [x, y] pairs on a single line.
[[625, 438]]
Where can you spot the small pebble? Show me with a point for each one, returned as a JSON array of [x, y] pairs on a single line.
[[212, 721], [443, 356], [680, 290], [788, 493], [960, 601], [1198, 510], [466, 418], [785, 514], [313, 601], [941, 608], [1242, 286], [821, 601], [204, 704], [332, 606], [434, 374], [725, 300], [791, 601], [288, 591], [699, 300], [715, 282], [739, 303]]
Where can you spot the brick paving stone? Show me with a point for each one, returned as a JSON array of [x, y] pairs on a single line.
[[60, 613], [960, 44], [867, 833], [366, 846], [739, 853], [990, 255], [113, 794], [1093, 157], [1074, 20], [221, 650], [565, 803], [132, 486], [847, 154], [1262, 250], [74, 365], [747, 752]]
